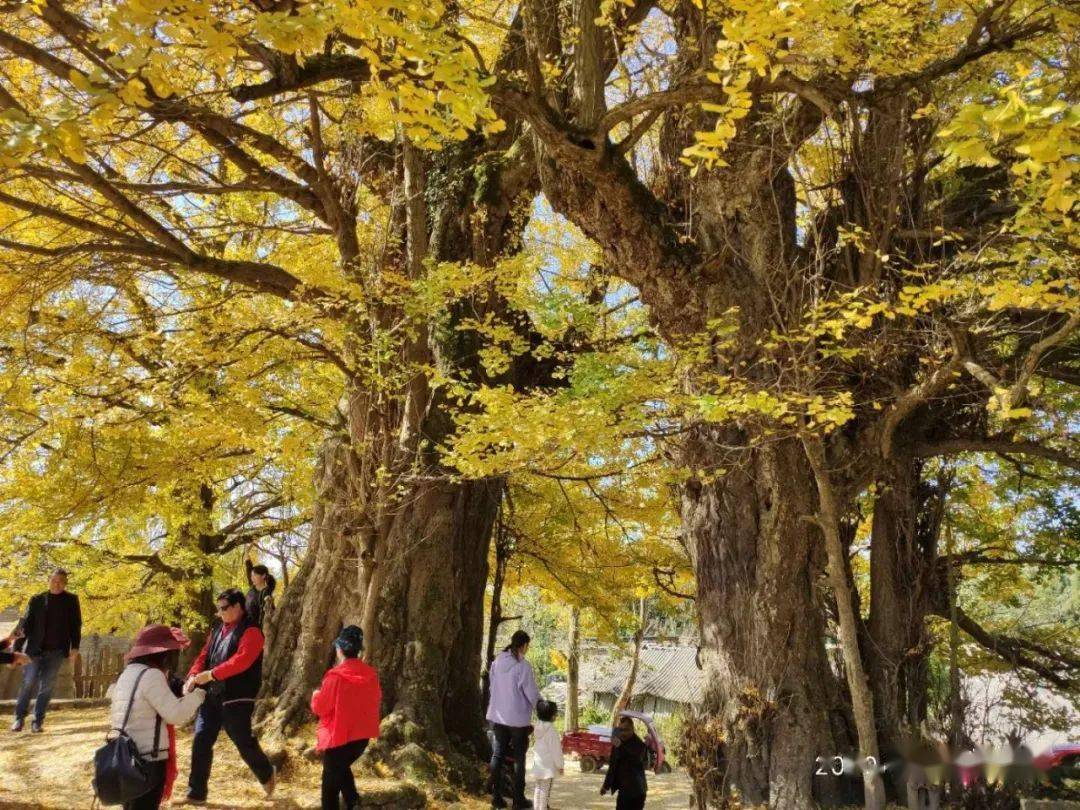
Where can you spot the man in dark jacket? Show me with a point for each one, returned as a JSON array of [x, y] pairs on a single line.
[[53, 627], [230, 669]]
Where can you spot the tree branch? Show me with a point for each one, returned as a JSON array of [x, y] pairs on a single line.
[[997, 444], [1018, 390], [973, 49], [700, 90], [288, 75], [591, 183], [913, 398], [978, 558], [1018, 652]]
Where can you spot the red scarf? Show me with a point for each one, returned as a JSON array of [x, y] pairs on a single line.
[[170, 765]]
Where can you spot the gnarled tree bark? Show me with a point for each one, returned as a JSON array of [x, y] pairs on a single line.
[[428, 626], [903, 553], [410, 564], [431, 625], [758, 563]]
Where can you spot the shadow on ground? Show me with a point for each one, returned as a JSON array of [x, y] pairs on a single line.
[[52, 770]]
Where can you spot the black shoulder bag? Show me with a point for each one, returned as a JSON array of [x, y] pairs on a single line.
[[120, 772]]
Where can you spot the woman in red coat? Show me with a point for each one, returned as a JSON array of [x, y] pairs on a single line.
[[347, 705]]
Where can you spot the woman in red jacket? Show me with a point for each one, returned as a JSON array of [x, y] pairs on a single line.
[[347, 705]]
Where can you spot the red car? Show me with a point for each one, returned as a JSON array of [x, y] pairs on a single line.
[[1059, 754], [1060, 763], [593, 747]]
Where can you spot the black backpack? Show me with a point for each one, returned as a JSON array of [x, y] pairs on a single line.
[[120, 772]]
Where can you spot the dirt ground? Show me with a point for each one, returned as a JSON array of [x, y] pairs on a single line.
[[581, 791], [52, 770]]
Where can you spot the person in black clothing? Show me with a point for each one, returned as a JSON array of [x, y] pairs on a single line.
[[260, 596], [53, 627], [626, 768]]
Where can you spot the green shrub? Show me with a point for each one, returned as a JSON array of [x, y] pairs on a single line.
[[592, 714], [670, 729]]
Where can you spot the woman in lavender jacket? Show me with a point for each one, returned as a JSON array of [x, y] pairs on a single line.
[[513, 696]]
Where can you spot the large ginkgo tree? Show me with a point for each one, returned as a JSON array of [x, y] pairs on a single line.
[[852, 223]]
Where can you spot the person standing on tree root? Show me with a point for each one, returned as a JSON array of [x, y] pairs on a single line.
[[514, 694], [230, 669], [347, 705], [260, 595], [53, 627]]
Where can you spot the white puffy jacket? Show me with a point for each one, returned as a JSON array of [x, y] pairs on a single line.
[[153, 699], [547, 754]]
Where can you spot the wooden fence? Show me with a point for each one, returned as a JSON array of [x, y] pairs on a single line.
[[87, 677], [96, 672]]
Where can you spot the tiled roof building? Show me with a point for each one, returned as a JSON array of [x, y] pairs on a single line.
[[668, 678]]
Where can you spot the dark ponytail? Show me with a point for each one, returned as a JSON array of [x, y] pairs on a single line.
[[262, 570], [517, 642]]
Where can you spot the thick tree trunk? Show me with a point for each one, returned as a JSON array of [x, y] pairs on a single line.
[[573, 668], [418, 544], [428, 626], [758, 567], [495, 618], [903, 550]]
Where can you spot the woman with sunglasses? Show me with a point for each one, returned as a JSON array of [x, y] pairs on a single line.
[[229, 668]]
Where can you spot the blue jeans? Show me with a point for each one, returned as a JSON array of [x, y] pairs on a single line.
[[235, 718], [39, 677]]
